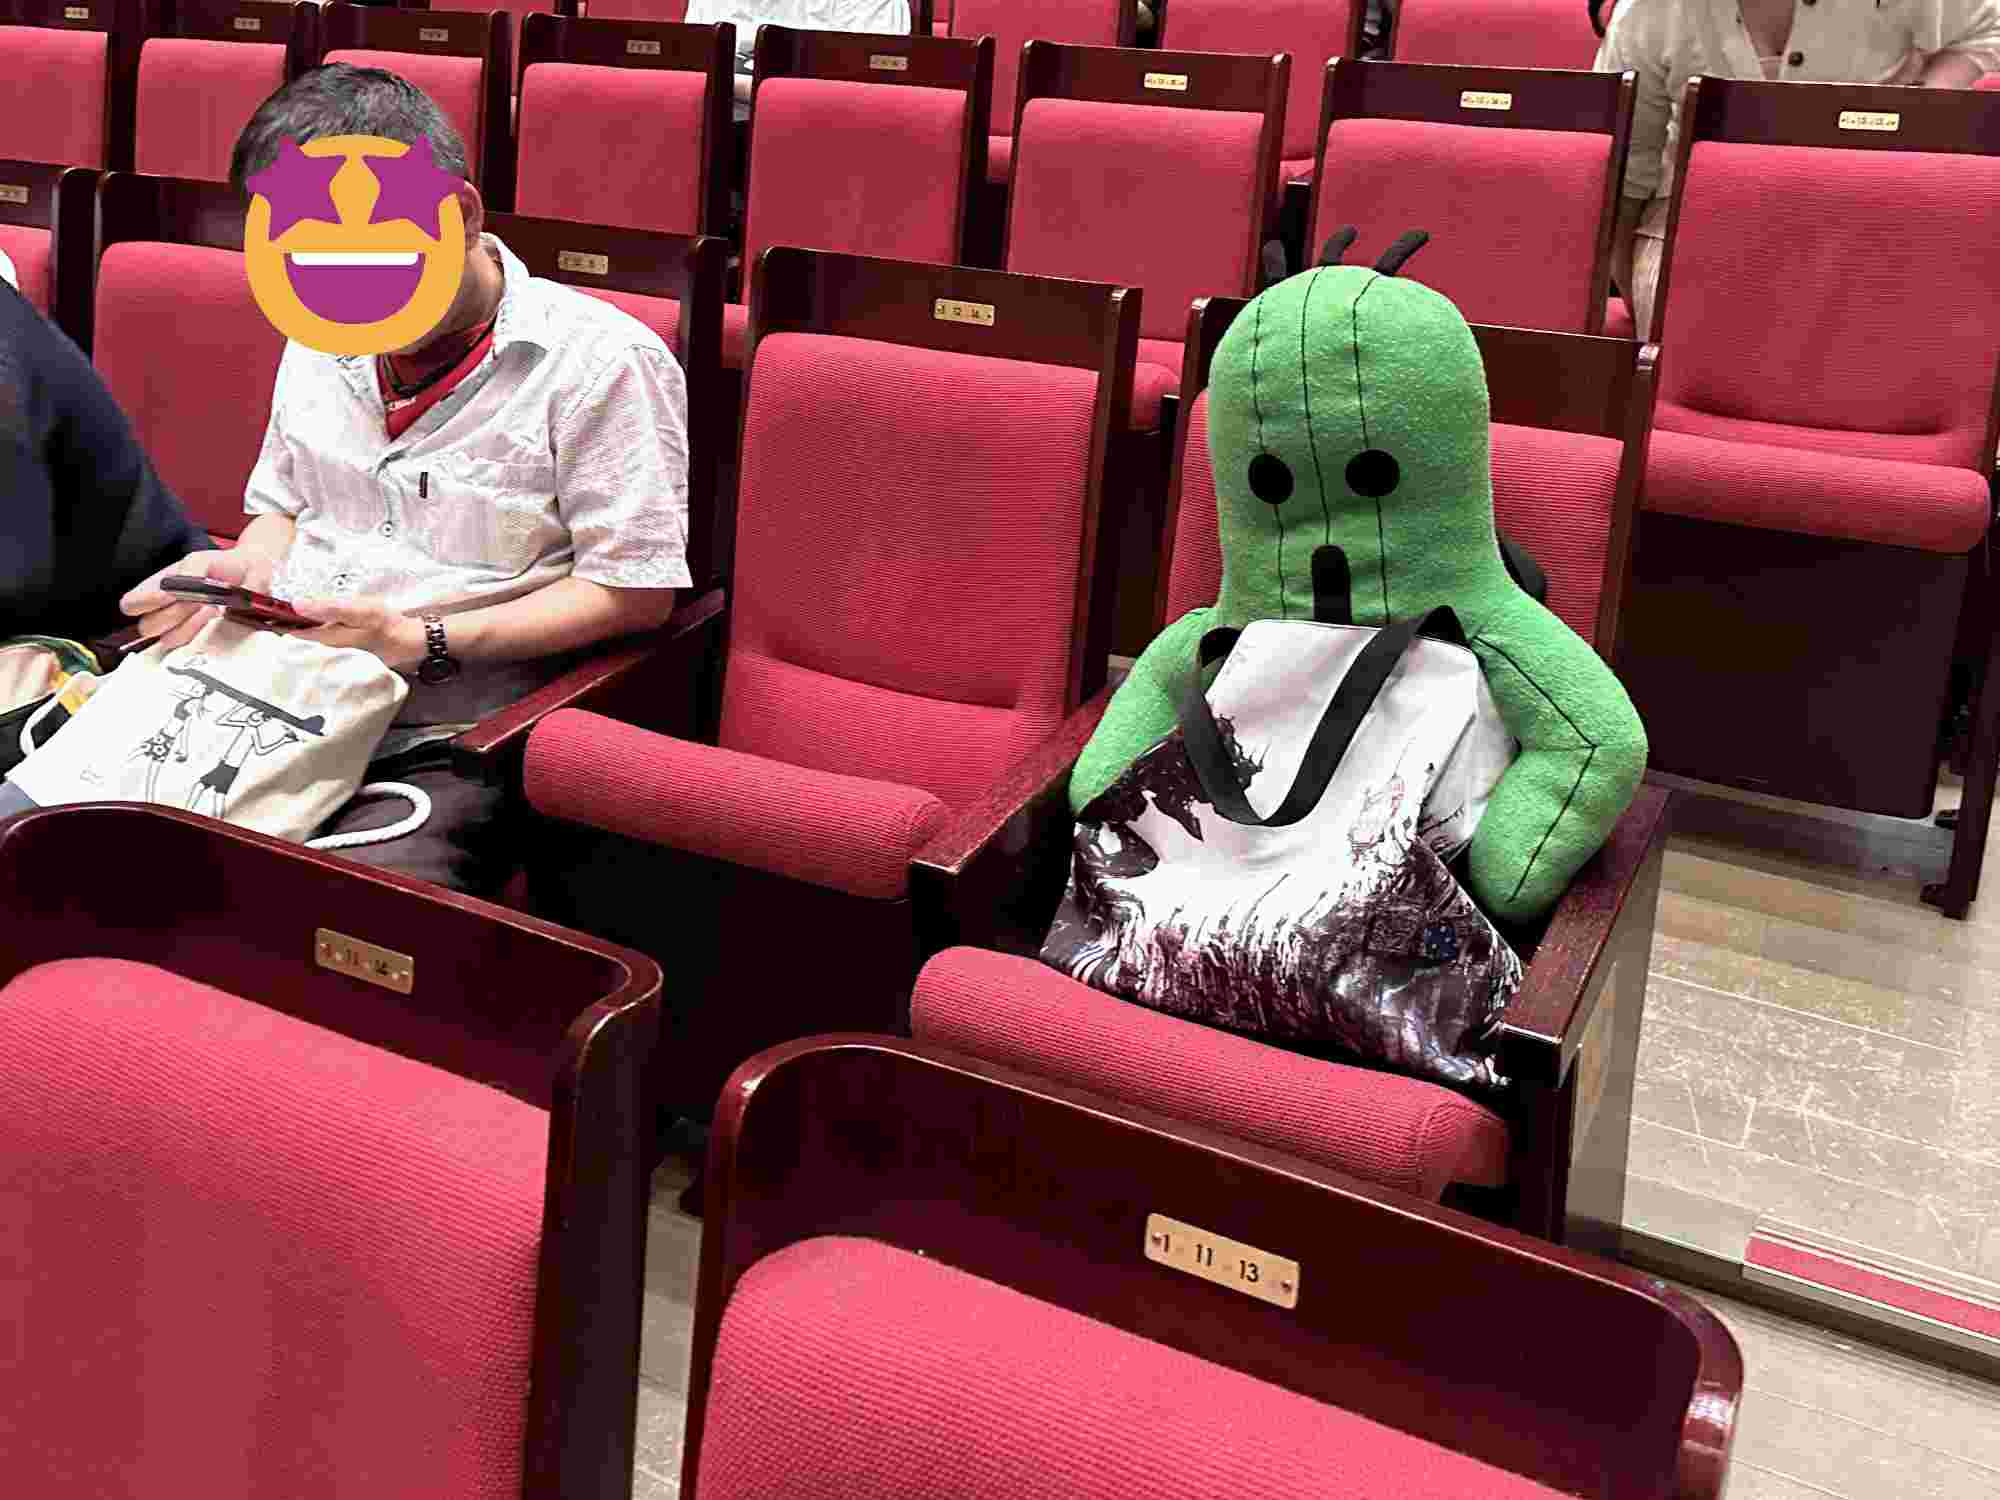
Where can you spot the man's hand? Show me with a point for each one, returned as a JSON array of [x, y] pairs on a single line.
[[367, 625], [172, 622]]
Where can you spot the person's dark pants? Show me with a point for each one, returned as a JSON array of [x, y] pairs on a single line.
[[467, 845]]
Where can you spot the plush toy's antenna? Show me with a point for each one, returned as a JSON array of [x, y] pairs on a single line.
[[1336, 245], [1407, 244]]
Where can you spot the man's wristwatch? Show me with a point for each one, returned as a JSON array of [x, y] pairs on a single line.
[[438, 665]]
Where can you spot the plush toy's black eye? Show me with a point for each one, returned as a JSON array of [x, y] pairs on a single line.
[[1270, 479], [1373, 473]]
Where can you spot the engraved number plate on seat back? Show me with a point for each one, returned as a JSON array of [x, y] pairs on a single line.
[[1226, 1262]]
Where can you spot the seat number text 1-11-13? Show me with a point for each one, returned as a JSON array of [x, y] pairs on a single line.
[[1226, 1262]]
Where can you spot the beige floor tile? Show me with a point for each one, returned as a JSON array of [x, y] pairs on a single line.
[[1900, 965], [1850, 1458], [1680, 1217], [1934, 1020], [1748, 1482], [657, 1449], [1685, 915]]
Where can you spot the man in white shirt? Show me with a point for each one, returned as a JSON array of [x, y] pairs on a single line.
[[1928, 43], [472, 509], [882, 17]]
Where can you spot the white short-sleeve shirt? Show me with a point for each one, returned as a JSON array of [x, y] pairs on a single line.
[[564, 453], [1667, 42], [881, 17]]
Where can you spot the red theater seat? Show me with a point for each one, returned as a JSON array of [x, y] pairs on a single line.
[[203, 75], [1099, 23], [62, 107], [852, 156], [870, 534], [1825, 433], [1571, 414], [626, 123], [464, 61], [1520, 199], [930, 1276], [384, 1262], [1494, 33], [45, 230]]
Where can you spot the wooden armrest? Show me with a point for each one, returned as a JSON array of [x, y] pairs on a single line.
[[984, 878], [653, 679], [1545, 1021]]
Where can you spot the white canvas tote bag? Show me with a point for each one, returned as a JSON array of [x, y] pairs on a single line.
[[255, 727], [1277, 865]]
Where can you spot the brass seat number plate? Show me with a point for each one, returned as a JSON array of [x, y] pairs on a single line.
[[346, 955], [1226, 1262]]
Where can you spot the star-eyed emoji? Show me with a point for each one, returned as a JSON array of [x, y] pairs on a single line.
[[354, 244]]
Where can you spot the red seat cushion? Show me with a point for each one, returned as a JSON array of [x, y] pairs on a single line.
[[842, 832], [28, 249], [456, 85], [1834, 299], [864, 169], [999, 158], [847, 1367], [55, 95], [1618, 319], [1194, 577], [1536, 195], [1312, 31], [1138, 196], [735, 334], [869, 533], [1496, 33], [195, 97], [1296, 169], [162, 311], [661, 314], [1399, 1132], [1156, 376], [1932, 507], [1554, 493], [612, 145], [243, 1248]]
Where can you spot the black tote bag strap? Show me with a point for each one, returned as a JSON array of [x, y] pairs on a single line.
[[1356, 694]]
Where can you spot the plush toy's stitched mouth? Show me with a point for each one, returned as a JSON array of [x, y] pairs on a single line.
[[354, 286]]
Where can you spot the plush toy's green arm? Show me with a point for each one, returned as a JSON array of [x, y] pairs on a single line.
[[1583, 753], [1142, 712]]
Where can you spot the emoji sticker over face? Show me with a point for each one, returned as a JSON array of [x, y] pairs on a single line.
[[354, 244]]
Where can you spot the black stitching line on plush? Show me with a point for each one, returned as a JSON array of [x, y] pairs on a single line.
[[1587, 741], [1381, 536], [1305, 389], [1257, 407], [1549, 833]]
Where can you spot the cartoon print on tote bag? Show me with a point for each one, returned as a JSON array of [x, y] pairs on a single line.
[[237, 727]]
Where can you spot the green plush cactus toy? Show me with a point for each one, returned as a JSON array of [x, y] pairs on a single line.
[[1347, 407]]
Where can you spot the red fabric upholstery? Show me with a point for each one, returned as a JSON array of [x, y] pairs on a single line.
[[612, 145], [1618, 319], [627, 10], [1496, 33], [1399, 1132], [905, 587], [1195, 576], [1138, 196], [1083, 23], [1535, 195], [847, 1367], [1297, 169], [1554, 493], [162, 311], [28, 249], [56, 82], [520, 10], [838, 831], [1312, 31], [661, 314], [1156, 376], [195, 97], [457, 85], [242, 1248], [735, 334], [1933, 507], [1844, 295], [999, 157], [859, 168]]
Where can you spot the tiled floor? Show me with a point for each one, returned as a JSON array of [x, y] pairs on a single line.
[[1820, 1050]]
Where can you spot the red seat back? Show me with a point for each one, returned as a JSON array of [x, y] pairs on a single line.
[[904, 605], [457, 85], [606, 145], [1495, 33], [28, 248], [56, 82], [639, 10], [857, 167], [1514, 213], [1089, 23], [195, 97], [1312, 31], [1139, 195], [343, 1242], [1836, 299], [164, 310]]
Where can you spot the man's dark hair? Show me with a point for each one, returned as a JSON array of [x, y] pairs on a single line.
[[341, 99]]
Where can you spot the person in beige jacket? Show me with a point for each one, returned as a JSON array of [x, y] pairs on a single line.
[[1924, 43]]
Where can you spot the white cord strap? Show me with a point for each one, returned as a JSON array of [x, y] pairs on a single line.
[[420, 812]]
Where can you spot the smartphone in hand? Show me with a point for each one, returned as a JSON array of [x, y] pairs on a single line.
[[240, 603]]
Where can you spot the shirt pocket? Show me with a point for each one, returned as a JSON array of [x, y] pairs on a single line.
[[486, 514]]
